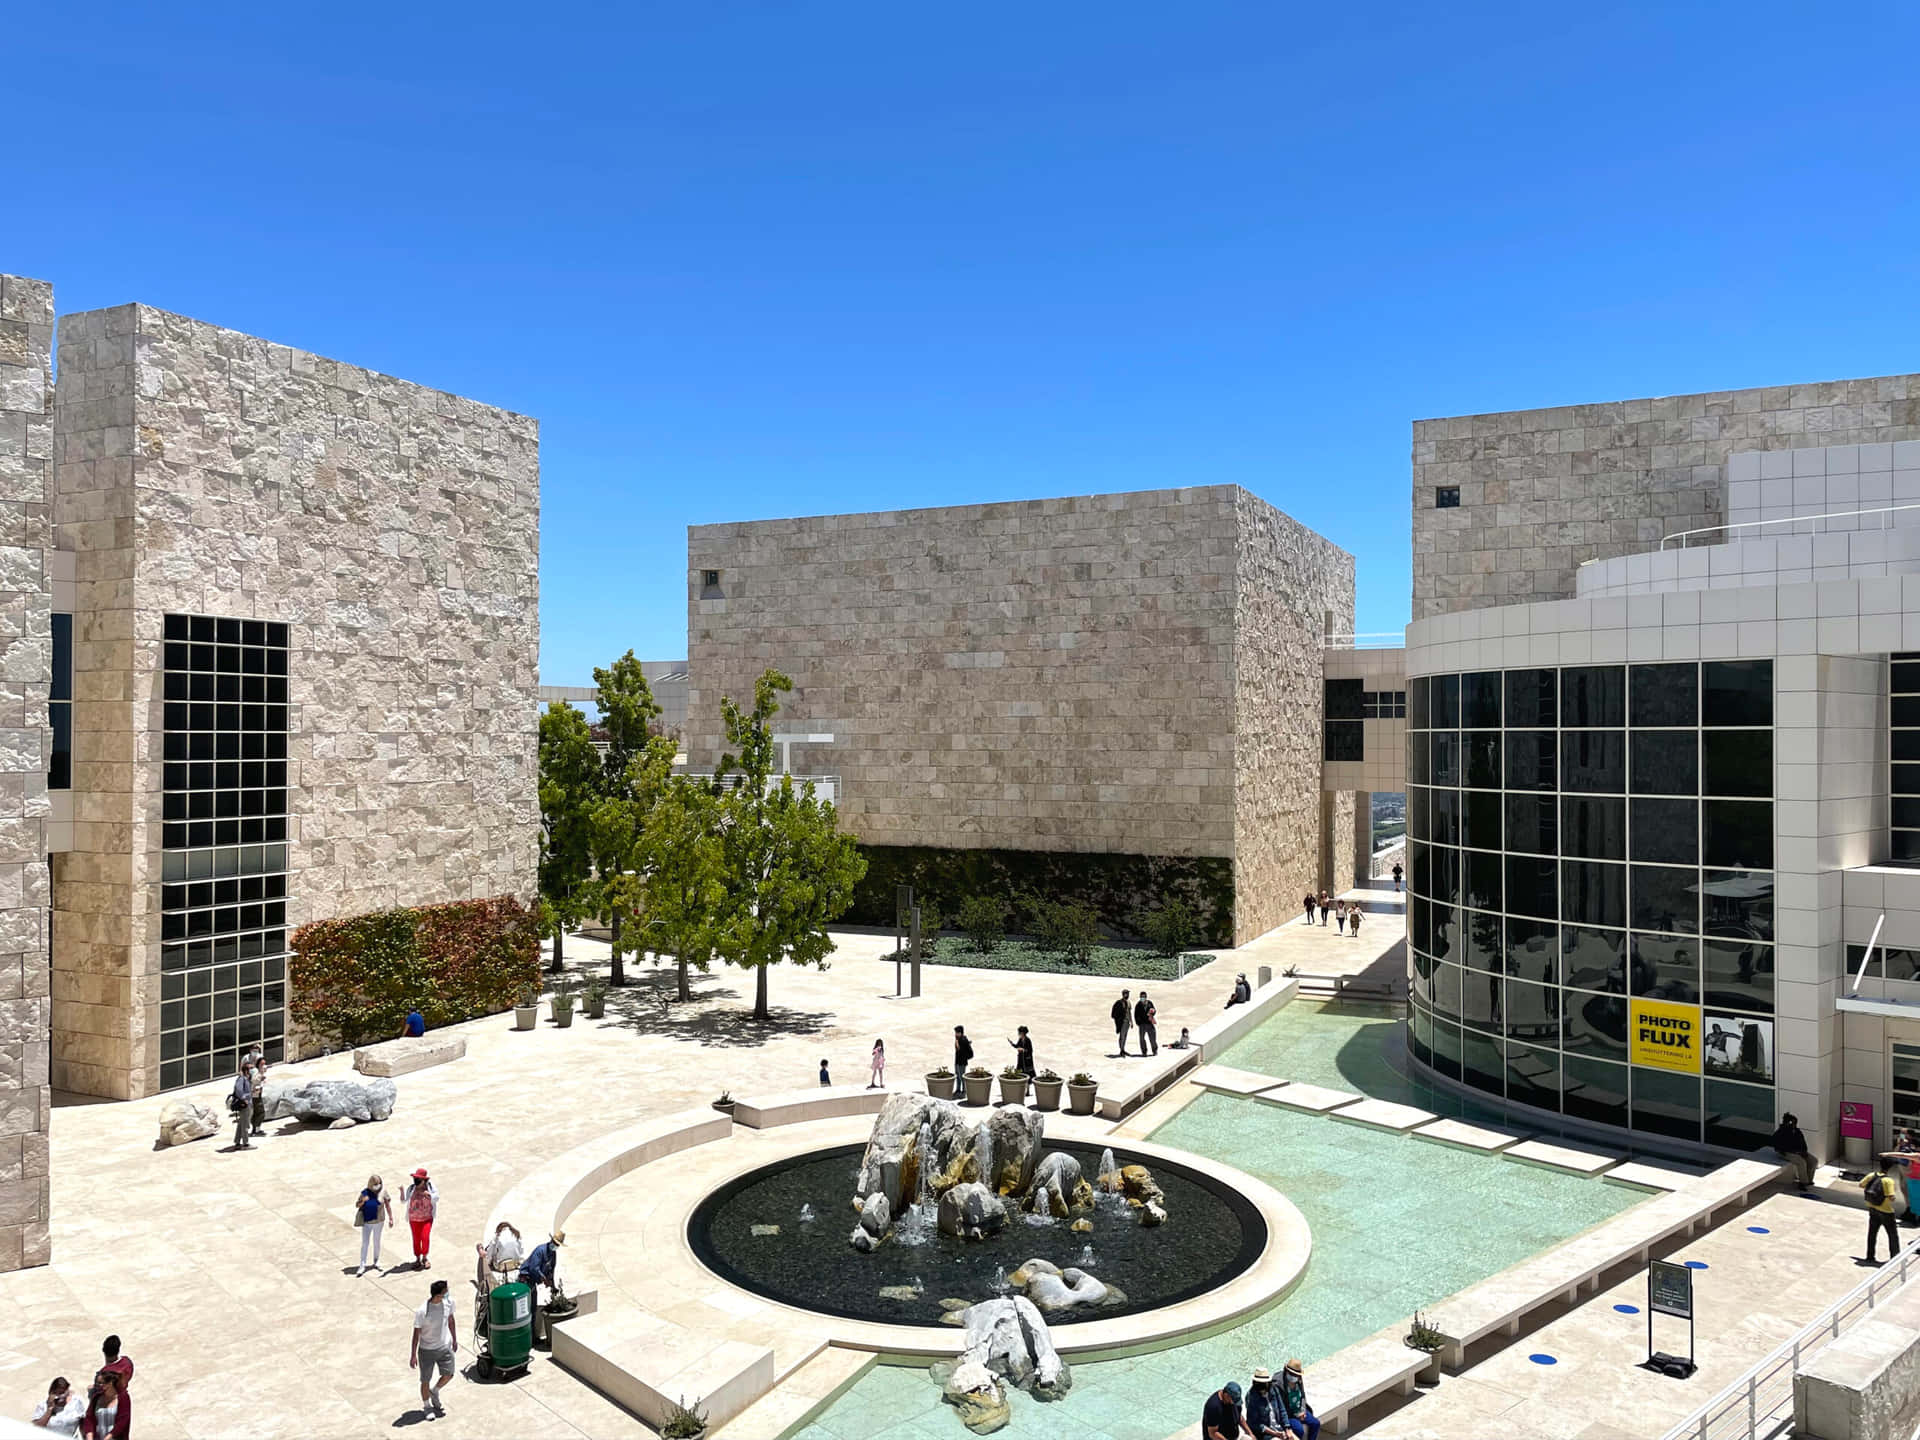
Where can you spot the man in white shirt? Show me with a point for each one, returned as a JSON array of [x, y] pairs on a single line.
[[434, 1341]]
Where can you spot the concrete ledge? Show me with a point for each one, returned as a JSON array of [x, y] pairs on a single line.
[[647, 1363], [1467, 1137], [1159, 1074], [542, 1202], [802, 1393], [793, 1107], [1383, 1115], [1299, 1095], [403, 1057], [1219, 1034], [1349, 1378], [1561, 1157], [1229, 1081], [1862, 1385]]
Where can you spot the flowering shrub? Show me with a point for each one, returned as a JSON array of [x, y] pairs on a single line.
[[354, 979]]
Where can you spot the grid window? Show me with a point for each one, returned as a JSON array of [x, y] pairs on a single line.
[[1617, 825], [1903, 712], [224, 807]]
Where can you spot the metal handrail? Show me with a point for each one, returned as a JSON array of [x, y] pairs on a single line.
[[1741, 1411], [1365, 640], [1881, 510], [1872, 941]]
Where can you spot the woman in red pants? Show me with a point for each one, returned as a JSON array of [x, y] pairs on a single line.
[[422, 1202]]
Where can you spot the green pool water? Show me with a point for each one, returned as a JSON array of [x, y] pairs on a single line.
[[1398, 1224]]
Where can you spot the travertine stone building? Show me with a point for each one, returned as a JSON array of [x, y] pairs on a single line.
[[1133, 674], [1507, 506], [304, 665]]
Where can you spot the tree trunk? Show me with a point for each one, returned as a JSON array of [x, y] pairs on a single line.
[[686, 988], [760, 995], [559, 949], [619, 976]]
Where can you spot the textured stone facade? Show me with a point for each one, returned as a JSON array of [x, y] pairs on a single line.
[[1135, 674], [1542, 491], [394, 528], [26, 668]]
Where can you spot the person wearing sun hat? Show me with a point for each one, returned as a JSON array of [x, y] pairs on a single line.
[[539, 1266], [421, 1202], [1220, 1420], [1294, 1410], [1265, 1420]]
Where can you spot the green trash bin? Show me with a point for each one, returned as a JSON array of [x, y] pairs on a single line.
[[510, 1326]]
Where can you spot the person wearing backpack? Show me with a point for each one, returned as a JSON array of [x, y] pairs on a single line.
[[372, 1212], [1878, 1188], [240, 1105], [422, 1203]]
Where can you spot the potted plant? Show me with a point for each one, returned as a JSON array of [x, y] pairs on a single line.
[[1080, 1092], [1046, 1090], [595, 1000], [725, 1103], [1013, 1086], [979, 1086], [526, 1010], [940, 1082], [683, 1421], [1424, 1337], [562, 1004]]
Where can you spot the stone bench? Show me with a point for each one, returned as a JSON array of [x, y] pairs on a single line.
[[1501, 1302], [1341, 1383], [403, 1057], [1208, 1043], [1162, 1071], [1866, 1384], [646, 1363], [795, 1107]]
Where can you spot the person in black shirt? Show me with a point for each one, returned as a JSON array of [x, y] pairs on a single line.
[[1023, 1053], [1790, 1145], [1220, 1420], [962, 1053], [1122, 1013], [1143, 1021]]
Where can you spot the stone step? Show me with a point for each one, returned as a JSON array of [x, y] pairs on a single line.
[[806, 1391], [647, 1363]]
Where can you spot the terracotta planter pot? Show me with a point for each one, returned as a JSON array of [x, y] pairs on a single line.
[[525, 1017], [563, 1018], [1080, 1098], [980, 1091], [941, 1086], [1046, 1094], [595, 1009], [1013, 1092]]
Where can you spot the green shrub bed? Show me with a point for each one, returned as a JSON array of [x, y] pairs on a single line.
[[1117, 962]]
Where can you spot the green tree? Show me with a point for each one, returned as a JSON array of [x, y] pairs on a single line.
[[686, 876], [569, 790], [633, 774], [789, 871]]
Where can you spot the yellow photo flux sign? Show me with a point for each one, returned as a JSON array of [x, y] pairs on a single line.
[[1666, 1036]]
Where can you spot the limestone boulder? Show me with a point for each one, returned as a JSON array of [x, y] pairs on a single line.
[[860, 1239], [876, 1215], [979, 1398], [884, 1165], [1140, 1188], [1056, 1183], [1065, 1290], [185, 1120], [971, 1212], [321, 1102], [1010, 1338], [1014, 1133]]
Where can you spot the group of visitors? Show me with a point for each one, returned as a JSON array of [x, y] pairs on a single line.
[[1272, 1407], [104, 1412], [373, 1212], [1346, 913], [248, 1101], [1139, 1015]]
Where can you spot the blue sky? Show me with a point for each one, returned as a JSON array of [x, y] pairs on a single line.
[[753, 260]]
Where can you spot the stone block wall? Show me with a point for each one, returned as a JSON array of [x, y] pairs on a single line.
[[26, 669], [394, 528], [1541, 491]]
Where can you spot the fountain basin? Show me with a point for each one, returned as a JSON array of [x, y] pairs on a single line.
[[1213, 1235]]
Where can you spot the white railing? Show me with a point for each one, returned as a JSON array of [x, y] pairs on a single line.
[[1685, 537], [1759, 1405], [1365, 640], [825, 787], [1867, 958]]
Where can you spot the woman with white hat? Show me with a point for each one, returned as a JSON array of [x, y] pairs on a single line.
[[1265, 1419]]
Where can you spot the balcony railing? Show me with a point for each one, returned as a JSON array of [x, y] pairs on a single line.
[[1685, 537]]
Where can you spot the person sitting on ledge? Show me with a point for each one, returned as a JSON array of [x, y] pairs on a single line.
[[1790, 1145], [415, 1027], [1242, 993]]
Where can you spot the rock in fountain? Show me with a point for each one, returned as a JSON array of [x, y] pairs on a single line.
[[971, 1389], [1011, 1340], [1058, 1187], [971, 1212], [1143, 1194], [1051, 1288], [1013, 1133]]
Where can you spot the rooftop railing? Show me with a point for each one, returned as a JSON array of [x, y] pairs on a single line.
[[1685, 537], [1366, 640]]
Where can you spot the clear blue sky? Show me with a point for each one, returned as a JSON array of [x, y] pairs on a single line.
[[755, 259]]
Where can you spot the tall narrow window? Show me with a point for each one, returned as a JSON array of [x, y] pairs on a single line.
[[60, 706]]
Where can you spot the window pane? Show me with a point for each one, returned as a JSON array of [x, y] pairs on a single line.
[[1533, 1076], [1533, 1012], [1594, 1025], [1482, 884], [1532, 887], [1530, 759], [1416, 813], [1480, 700], [1739, 974], [1738, 905], [1593, 696], [1666, 968], [1594, 760], [1530, 697], [1737, 692], [1737, 762], [1419, 758], [1443, 817], [1446, 875], [1480, 819], [1480, 999], [1447, 934], [1343, 699], [1343, 740], [1446, 702], [1482, 1065], [1483, 759], [1533, 949], [1446, 756], [1417, 709], [1593, 893], [1665, 761], [1446, 991], [1666, 695], [1737, 1047], [1666, 899], [1595, 959], [1531, 824], [1666, 1103], [1483, 941], [1666, 832], [1740, 1117], [1446, 1047], [1737, 834], [1594, 826]]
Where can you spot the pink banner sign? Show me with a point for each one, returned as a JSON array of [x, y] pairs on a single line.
[[1856, 1120]]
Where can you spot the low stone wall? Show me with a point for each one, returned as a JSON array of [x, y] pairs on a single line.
[[1866, 1384]]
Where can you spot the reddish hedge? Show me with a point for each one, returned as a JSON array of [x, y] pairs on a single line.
[[356, 978]]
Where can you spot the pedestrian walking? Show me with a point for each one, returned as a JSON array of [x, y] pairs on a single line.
[[1023, 1052], [372, 1212], [878, 1079], [1340, 915], [259, 1092], [116, 1362], [1397, 873], [1790, 1145], [1307, 901], [1143, 1021], [1878, 1187], [422, 1202], [1326, 903], [1122, 1018], [825, 1078], [240, 1104], [109, 1412], [1293, 1403], [435, 1338], [60, 1412], [1220, 1418], [962, 1053], [1353, 918], [1905, 1161]]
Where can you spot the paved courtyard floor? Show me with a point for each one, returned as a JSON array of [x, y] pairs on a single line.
[[230, 1275]]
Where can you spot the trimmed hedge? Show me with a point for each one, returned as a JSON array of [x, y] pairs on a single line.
[[1116, 887], [354, 979]]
